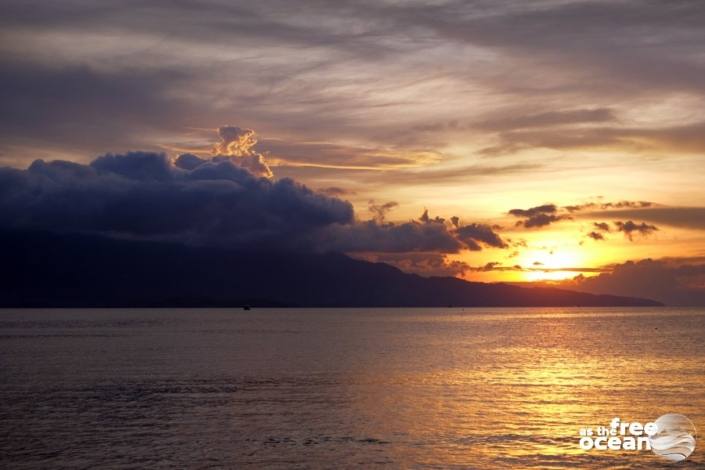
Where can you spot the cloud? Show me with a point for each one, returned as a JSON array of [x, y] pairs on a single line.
[[80, 108], [380, 210], [426, 264], [145, 195], [474, 234], [541, 220], [426, 219], [548, 119], [217, 200], [238, 143], [630, 228], [625, 204], [339, 156], [608, 205], [235, 141], [596, 236], [427, 234], [536, 266], [685, 217], [495, 266], [285, 70], [546, 214], [370, 236], [674, 282], [335, 191], [539, 216], [686, 139], [544, 209]]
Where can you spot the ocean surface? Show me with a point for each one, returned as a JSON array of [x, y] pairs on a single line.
[[395, 388]]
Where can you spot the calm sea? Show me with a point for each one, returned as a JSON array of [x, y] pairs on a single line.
[[436, 388]]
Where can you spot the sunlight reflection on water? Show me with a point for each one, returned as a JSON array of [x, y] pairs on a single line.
[[485, 388]]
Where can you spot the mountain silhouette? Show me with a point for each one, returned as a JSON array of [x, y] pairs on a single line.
[[49, 270]]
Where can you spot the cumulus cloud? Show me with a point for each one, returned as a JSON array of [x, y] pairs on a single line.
[[218, 201], [229, 198], [145, 195], [238, 144], [235, 141], [630, 228]]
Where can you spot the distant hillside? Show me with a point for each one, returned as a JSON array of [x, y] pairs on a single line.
[[44, 270]]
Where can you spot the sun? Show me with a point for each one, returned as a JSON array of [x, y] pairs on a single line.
[[551, 264]]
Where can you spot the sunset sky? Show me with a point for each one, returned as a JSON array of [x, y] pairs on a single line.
[[554, 139]]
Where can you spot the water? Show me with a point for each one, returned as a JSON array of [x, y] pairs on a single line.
[[438, 388]]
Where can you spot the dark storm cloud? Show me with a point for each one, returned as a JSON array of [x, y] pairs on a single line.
[[371, 236], [674, 282], [217, 200], [630, 228], [143, 195]]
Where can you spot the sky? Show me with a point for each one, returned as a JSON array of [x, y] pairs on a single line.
[[512, 141]]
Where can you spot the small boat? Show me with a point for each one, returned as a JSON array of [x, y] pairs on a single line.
[[246, 307]]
